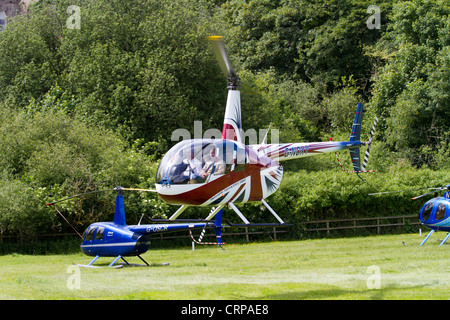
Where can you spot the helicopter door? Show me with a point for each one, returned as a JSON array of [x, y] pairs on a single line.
[[99, 234], [89, 234], [232, 155]]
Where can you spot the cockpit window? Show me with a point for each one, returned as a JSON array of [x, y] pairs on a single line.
[[99, 234], [89, 233], [427, 211], [200, 160], [440, 212]]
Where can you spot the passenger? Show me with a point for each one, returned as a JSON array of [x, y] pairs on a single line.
[[194, 168], [214, 163]]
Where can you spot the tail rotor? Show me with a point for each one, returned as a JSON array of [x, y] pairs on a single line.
[[355, 138], [366, 155]]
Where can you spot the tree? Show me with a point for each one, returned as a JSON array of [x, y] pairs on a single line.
[[129, 65], [315, 41], [47, 155], [410, 92]]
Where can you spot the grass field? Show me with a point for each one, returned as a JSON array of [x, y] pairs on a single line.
[[377, 267]]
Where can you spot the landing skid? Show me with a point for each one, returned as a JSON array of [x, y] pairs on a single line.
[[445, 239], [232, 206], [96, 267], [429, 235], [243, 218], [121, 265], [426, 238]]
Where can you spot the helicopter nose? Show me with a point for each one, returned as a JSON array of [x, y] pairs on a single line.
[[425, 213]]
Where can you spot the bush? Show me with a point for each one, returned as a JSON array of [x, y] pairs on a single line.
[[49, 155], [334, 194]]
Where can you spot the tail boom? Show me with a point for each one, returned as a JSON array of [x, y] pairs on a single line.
[[288, 151]]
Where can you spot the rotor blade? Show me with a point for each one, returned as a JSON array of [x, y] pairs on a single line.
[[386, 192], [423, 195], [78, 195], [134, 189], [221, 56], [114, 189]]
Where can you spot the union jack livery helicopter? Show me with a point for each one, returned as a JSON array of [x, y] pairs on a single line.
[[224, 172], [213, 172]]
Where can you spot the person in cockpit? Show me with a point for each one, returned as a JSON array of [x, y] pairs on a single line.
[[194, 168], [213, 166]]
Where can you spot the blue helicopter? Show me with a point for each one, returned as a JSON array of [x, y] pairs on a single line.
[[119, 240], [435, 213]]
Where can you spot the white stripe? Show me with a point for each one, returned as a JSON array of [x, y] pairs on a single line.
[[109, 244]]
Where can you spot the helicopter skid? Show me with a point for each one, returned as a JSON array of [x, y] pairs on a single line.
[[120, 265], [142, 265], [97, 267]]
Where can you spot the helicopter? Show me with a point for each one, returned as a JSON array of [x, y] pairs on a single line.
[[216, 173], [435, 213], [117, 239], [235, 172]]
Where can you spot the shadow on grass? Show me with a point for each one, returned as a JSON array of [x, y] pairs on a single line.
[[342, 294]]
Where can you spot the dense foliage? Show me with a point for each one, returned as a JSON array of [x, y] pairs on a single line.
[[93, 107]]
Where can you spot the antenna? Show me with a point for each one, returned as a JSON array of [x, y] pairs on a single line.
[[265, 136]]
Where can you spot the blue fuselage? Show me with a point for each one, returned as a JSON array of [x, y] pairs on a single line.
[[111, 240], [435, 214]]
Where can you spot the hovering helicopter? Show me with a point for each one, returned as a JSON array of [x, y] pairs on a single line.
[[119, 240], [224, 172], [435, 213], [214, 172]]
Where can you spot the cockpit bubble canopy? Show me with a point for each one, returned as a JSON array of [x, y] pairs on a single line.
[[200, 161]]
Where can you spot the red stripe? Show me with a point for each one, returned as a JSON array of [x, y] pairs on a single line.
[[228, 132], [202, 194]]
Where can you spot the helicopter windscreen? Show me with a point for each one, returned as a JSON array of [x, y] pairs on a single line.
[[427, 211], [200, 160]]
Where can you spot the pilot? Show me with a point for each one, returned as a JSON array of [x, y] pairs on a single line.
[[194, 168], [219, 167]]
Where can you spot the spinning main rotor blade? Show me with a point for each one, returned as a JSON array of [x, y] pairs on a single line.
[[386, 192], [422, 195], [221, 56], [77, 195], [134, 189], [113, 189]]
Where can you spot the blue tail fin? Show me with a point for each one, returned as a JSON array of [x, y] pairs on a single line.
[[356, 136], [218, 227], [119, 212], [356, 128]]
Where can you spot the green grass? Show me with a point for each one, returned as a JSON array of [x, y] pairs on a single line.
[[310, 269]]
